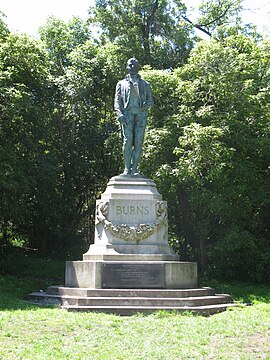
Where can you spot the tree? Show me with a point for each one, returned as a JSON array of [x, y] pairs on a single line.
[[81, 127], [83, 123], [150, 30], [217, 176], [61, 38], [3, 27], [57, 131], [206, 146], [215, 15], [23, 83]]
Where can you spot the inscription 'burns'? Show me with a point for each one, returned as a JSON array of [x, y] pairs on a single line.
[[132, 210]]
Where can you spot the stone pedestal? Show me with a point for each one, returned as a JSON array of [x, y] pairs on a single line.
[[131, 268], [131, 247]]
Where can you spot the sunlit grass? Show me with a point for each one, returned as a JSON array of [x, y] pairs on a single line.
[[51, 333], [31, 332]]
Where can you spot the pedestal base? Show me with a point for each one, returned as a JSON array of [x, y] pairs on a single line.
[[131, 218], [131, 249], [131, 267], [131, 274]]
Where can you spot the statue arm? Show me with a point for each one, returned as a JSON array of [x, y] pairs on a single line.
[[118, 105], [148, 100], [118, 101], [149, 97]]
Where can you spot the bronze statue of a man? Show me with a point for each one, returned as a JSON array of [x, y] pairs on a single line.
[[133, 97]]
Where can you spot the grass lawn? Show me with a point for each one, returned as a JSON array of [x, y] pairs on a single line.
[[31, 332]]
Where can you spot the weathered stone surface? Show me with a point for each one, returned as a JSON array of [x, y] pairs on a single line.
[[171, 275], [131, 218], [131, 247], [202, 301], [145, 293], [131, 257], [128, 187]]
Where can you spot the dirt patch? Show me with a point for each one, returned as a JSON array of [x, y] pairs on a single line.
[[255, 346], [259, 345]]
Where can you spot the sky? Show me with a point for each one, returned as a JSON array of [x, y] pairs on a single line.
[[26, 16]]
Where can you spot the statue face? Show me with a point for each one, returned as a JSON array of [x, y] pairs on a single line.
[[133, 66]]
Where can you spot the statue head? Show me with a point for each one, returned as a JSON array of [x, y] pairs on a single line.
[[133, 66]]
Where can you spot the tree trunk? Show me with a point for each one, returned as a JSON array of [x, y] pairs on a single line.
[[146, 26]]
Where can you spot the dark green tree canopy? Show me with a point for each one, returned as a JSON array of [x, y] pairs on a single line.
[[152, 30], [207, 141], [218, 138]]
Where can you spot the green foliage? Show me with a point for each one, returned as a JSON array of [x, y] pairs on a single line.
[[217, 15], [152, 31], [238, 240], [60, 38], [207, 143], [3, 27], [26, 264], [57, 135], [216, 168], [158, 143], [23, 82], [164, 88], [202, 154], [234, 88]]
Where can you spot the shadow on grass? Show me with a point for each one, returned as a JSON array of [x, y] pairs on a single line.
[[7, 303], [23, 272], [21, 262], [241, 291], [14, 292]]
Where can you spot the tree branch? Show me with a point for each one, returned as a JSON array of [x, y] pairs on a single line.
[[218, 18], [202, 27], [199, 27]]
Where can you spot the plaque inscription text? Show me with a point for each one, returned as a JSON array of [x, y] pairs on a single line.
[[132, 276]]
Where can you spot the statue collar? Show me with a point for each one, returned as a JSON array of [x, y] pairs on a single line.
[[128, 78]]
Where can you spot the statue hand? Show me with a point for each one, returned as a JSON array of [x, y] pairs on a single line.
[[123, 120], [144, 107]]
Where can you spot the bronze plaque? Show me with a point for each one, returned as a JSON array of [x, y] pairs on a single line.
[[133, 276]]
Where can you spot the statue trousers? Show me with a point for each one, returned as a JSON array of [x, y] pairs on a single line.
[[133, 136]]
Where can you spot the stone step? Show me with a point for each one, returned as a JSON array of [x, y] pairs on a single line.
[[164, 293], [131, 310], [138, 301], [128, 301]]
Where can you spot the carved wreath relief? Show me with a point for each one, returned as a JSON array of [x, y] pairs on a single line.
[[127, 232]]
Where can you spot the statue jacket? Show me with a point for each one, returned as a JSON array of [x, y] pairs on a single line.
[[123, 91]]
